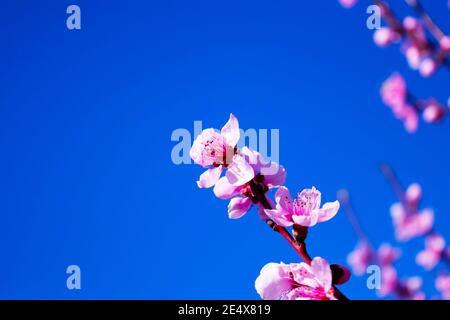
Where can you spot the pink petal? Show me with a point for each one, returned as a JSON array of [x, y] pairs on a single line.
[[230, 131], [280, 216], [238, 207], [425, 221], [307, 220], [224, 190], [414, 194], [274, 175], [274, 281], [209, 177], [239, 172], [435, 242], [427, 259], [284, 199], [328, 211], [322, 271]]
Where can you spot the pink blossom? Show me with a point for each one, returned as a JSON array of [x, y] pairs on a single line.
[[433, 111], [413, 55], [427, 67], [267, 174], [304, 211], [433, 252], [389, 281], [296, 281], [443, 285], [388, 254], [411, 224], [217, 151], [347, 3], [385, 36], [393, 91], [445, 43], [408, 221], [360, 258]]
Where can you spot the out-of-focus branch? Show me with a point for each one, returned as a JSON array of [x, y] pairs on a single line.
[[428, 21]]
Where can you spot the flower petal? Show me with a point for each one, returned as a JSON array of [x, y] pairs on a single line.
[[274, 281], [209, 177], [328, 211], [274, 175], [306, 220], [239, 172], [280, 216], [224, 190], [322, 271], [230, 131], [238, 206], [283, 199]]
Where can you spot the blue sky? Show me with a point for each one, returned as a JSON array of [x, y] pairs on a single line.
[[86, 119]]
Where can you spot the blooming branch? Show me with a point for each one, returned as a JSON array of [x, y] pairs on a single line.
[[248, 178]]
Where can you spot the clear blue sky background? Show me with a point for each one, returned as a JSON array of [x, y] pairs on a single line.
[[86, 118]]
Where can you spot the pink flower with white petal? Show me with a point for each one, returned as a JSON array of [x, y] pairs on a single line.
[[443, 285], [304, 211], [433, 252], [296, 281], [218, 151], [360, 258]]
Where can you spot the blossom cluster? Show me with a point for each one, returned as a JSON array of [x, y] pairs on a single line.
[[405, 107], [426, 49], [409, 222], [243, 177]]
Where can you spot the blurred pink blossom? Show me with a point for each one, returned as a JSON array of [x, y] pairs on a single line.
[[385, 36], [394, 94], [388, 254], [304, 211], [347, 3], [443, 285], [360, 258], [433, 112], [411, 224], [408, 221], [433, 252], [389, 281], [296, 281]]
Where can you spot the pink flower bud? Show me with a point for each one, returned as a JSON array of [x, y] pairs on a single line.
[[427, 67], [385, 36], [433, 112], [340, 274], [445, 43], [414, 194], [410, 23]]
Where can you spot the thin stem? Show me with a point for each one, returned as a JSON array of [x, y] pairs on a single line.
[[391, 177], [344, 199]]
